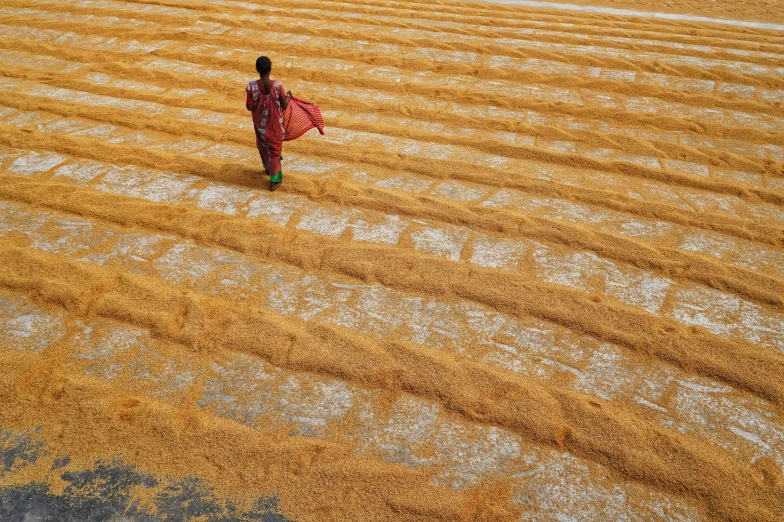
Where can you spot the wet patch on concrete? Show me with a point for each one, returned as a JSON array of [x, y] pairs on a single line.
[[111, 491]]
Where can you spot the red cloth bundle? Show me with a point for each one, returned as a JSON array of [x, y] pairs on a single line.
[[299, 117]]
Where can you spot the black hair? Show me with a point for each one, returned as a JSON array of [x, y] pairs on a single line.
[[263, 65]]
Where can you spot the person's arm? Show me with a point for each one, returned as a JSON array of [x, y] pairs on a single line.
[[284, 99], [252, 96]]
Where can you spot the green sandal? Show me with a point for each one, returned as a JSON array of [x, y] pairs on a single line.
[[276, 180], [266, 170]]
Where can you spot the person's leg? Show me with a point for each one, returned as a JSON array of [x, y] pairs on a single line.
[[262, 153], [274, 165], [267, 154], [276, 180]]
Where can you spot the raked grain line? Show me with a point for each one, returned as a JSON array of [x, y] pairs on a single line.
[[533, 69], [307, 404], [218, 33], [642, 14], [428, 165], [502, 45], [301, 186], [586, 16], [190, 118], [305, 187], [531, 17], [712, 122], [356, 195], [693, 349], [478, 138], [489, 452], [667, 262], [693, 148], [92, 238], [371, 20], [747, 129], [82, 406], [699, 38], [543, 32], [545, 415], [240, 156], [248, 154], [701, 149], [407, 37], [354, 9], [199, 101], [268, 463], [214, 271], [66, 244], [548, 47], [535, 35], [563, 153], [379, 80], [530, 71]]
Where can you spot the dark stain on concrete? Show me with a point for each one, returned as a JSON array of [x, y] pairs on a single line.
[[104, 493]]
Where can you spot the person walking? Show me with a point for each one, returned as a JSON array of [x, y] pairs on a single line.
[[277, 117], [266, 100]]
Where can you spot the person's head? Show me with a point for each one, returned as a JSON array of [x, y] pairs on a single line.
[[263, 65]]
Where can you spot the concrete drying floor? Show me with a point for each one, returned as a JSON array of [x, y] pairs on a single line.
[[533, 271]]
